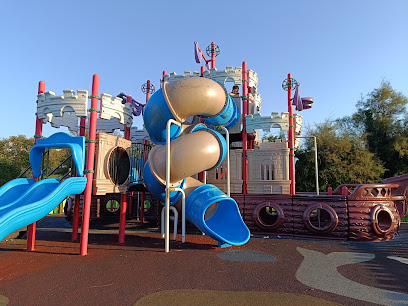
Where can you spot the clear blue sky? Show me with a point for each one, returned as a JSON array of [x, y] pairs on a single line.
[[338, 50]]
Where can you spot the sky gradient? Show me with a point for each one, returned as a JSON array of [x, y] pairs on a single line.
[[337, 50]]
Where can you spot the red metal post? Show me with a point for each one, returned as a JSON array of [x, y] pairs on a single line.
[[127, 129], [244, 132], [130, 204], [201, 174], [144, 147], [75, 221], [38, 134], [123, 204], [251, 139], [212, 54], [142, 206], [291, 136], [164, 73], [122, 221], [90, 163], [143, 193], [148, 91]]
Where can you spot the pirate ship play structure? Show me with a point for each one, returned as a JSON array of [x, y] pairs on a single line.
[[195, 123]]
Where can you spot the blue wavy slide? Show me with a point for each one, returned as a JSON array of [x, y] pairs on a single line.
[[24, 201]]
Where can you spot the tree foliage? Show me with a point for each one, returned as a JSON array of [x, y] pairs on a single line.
[[16, 150], [381, 117], [15, 157], [8, 171], [343, 158], [366, 147]]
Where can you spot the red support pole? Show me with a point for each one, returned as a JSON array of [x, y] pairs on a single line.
[[122, 221], [164, 73], [123, 205], [142, 206], [329, 191], [291, 136], [130, 204], [90, 163], [212, 54], [38, 134], [244, 132], [148, 91], [127, 129], [127, 136], [143, 193], [75, 221], [201, 174], [251, 139]]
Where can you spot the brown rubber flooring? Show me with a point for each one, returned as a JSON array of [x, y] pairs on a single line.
[[140, 272]]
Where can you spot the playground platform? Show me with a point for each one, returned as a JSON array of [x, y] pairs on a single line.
[[265, 271]]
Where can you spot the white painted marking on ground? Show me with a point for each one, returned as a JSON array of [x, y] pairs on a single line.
[[400, 259], [319, 271]]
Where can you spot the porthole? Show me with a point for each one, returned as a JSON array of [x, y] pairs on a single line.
[[112, 206], [118, 166], [148, 205], [268, 216], [320, 218], [382, 220]]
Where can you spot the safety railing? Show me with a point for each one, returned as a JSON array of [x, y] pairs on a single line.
[[138, 154]]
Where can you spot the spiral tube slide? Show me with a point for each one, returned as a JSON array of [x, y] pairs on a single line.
[[182, 99], [192, 150]]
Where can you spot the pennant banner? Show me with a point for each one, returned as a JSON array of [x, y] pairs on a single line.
[[297, 100], [197, 53]]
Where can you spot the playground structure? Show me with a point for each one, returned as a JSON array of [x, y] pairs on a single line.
[[257, 177]]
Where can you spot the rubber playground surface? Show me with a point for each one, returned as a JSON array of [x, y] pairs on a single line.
[[265, 271]]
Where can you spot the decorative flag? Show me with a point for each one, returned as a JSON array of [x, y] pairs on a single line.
[[137, 109], [297, 100], [197, 53], [307, 102]]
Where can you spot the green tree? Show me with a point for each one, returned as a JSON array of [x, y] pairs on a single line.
[[343, 158], [381, 118], [8, 171], [16, 150], [15, 158]]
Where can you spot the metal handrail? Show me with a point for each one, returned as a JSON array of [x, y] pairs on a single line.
[[56, 168], [46, 173]]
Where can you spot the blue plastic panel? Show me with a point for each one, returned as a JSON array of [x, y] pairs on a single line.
[[57, 141]]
